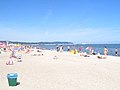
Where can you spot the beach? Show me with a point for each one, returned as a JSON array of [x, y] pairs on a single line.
[[61, 71]]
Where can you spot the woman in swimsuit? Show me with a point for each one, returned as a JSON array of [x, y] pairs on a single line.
[[105, 51]]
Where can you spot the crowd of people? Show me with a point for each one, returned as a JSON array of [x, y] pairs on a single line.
[[89, 50], [60, 48], [17, 51]]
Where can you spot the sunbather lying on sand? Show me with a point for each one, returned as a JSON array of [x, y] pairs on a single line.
[[84, 54], [100, 57]]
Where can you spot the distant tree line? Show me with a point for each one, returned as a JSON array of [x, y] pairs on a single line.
[[57, 43]]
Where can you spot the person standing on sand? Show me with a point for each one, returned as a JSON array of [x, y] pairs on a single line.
[[68, 49], [57, 48], [116, 52], [61, 48], [80, 49], [105, 51], [0, 50]]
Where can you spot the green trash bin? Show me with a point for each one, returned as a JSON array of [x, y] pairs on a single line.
[[12, 79]]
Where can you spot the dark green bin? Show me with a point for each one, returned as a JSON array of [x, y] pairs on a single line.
[[12, 79]]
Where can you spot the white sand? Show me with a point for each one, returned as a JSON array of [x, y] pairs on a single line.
[[68, 72]]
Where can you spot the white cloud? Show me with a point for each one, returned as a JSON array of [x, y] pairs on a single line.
[[74, 35], [49, 13], [46, 33], [84, 34]]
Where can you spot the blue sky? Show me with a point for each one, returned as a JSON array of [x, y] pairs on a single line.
[[90, 21]]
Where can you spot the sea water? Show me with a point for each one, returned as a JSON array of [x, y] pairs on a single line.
[[96, 47]]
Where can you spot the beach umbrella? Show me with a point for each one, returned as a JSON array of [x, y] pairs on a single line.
[[89, 48], [2, 45], [17, 45]]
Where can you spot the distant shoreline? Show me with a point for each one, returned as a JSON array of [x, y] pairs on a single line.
[[55, 43]]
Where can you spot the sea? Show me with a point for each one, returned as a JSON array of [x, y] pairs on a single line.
[[96, 47]]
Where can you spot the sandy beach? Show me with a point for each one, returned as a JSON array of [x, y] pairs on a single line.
[[66, 72], [59, 45]]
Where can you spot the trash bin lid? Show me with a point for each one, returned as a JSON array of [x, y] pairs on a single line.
[[12, 75]]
